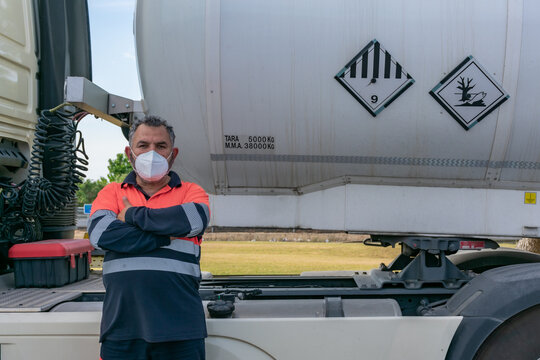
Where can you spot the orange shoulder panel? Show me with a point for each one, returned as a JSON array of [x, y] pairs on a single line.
[[194, 193], [107, 199]]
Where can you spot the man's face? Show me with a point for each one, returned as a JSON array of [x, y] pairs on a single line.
[[147, 138]]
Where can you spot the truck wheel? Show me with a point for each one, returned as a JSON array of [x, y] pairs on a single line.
[[516, 338]]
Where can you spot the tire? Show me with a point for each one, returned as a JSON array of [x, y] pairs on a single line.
[[517, 338]]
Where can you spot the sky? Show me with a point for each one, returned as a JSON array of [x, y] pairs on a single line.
[[114, 69]]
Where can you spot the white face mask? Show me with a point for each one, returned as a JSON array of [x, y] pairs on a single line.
[[151, 166]]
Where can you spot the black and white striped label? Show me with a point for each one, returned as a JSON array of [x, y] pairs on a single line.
[[374, 78]]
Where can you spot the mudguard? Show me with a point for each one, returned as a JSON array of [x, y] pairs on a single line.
[[488, 301]]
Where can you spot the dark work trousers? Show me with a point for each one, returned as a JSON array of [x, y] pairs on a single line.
[[142, 350]]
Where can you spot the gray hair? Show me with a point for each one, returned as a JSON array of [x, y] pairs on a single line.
[[151, 120]]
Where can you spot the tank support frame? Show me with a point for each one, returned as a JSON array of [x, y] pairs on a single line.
[[423, 260]]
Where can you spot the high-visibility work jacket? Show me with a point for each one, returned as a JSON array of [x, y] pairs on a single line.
[[151, 267]]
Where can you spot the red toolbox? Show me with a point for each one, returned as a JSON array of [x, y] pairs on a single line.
[[51, 263]]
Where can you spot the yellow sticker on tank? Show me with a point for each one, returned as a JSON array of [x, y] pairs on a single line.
[[530, 198]]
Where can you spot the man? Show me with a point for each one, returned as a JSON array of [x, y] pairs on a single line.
[[151, 227]]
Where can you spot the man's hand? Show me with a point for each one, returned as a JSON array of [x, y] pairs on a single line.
[[122, 214]]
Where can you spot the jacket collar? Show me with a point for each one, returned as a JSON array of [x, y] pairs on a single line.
[[131, 179]]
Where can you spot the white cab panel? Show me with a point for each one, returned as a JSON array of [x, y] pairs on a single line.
[[67, 336], [18, 67]]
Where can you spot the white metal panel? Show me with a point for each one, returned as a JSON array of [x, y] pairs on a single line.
[[18, 66], [506, 118], [67, 336], [170, 46], [266, 68], [60, 336], [387, 209], [324, 209], [446, 211], [524, 141], [344, 338], [233, 69], [244, 210], [278, 59]]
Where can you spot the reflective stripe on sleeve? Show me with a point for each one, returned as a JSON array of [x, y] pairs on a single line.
[[206, 212], [104, 218], [151, 263], [194, 219], [184, 246]]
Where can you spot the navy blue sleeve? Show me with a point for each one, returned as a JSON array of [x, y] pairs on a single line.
[[106, 232], [186, 220]]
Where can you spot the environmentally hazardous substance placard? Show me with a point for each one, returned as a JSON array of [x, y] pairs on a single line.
[[469, 93], [374, 78]]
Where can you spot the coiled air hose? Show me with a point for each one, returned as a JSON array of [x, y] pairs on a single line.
[[13, 228], [55, 168]]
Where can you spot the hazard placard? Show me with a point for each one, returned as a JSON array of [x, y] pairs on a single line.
[[530, 198], [374, 78], [469, 93]]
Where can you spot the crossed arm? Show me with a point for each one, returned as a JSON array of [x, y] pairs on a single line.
[[138, 229]]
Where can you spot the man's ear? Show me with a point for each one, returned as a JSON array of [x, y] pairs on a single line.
[[174, 154], [128, 153]]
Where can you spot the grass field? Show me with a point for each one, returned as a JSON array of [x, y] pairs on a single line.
[[290, 253], [263, 253], [258, 258]]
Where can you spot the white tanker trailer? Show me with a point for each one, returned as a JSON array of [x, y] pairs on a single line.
[[327, 104], [414, 121]]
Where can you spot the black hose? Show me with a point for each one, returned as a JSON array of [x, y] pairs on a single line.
[[57, 164], [17, 228], [55, 170]]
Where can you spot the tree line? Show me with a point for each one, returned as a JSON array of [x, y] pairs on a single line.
[[118, 170]]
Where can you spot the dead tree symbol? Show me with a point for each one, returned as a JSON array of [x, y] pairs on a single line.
[[465, 88]]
